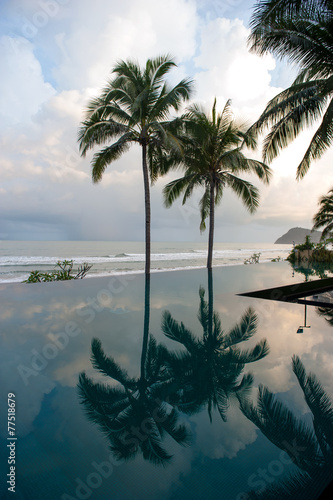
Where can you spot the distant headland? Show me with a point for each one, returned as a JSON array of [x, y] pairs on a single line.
[[297, 235]]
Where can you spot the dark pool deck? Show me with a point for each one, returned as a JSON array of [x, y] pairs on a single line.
[[311, 292]]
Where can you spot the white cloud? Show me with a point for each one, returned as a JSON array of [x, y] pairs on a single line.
[[23, 89], [230, 71], [127, 29]]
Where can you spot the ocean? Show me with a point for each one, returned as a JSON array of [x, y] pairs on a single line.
[[19, 258]]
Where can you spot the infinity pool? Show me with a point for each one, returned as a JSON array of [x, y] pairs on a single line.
[[175, 389]]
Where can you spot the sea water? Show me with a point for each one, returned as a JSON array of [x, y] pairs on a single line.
[[19, 258]]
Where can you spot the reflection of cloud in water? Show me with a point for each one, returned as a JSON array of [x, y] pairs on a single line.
[[49, 402], [279, 322], [218, 440]]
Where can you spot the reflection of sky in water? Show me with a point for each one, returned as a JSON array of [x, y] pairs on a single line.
[[46, 338]]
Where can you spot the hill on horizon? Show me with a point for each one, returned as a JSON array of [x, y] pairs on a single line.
[[297, 235]]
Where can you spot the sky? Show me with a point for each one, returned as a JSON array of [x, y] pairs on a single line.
[[56, 54]]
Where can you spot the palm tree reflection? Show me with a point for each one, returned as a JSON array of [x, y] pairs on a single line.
[[135, 416], [210, 368], [310, 447], [138, 413]]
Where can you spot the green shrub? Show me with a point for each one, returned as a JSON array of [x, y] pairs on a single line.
[[64, 273]]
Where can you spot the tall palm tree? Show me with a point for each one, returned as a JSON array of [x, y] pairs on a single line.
[[302, 32], [133, 107], [212, 159], [310, 447], [324, 217], [210, 369]]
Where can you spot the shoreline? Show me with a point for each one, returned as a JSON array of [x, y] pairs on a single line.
[[18, 261], [110, 274], [132, 274]]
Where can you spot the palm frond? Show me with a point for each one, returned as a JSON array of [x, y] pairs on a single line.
[[283, 429], [107, 365], [243, 330], [178, 332], [324, 216], [175, 188], [107, 155], [171, 99], [258, 352], [320, 142], [248, 193], [95, 133], [179, 432], [154, 452], [317, 400], [302, 32], [221, 401], [204, 206]]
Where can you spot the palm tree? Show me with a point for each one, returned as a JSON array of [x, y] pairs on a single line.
[[302, 31], [324, 217], [133, 107], [209, 371], [310, 447], [212, 159]]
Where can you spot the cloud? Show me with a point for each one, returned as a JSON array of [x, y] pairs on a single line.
[[53, 61], [23, 89], [128, 29], [228, 70]]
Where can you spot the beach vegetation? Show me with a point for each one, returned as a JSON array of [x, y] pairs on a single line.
[[63, 272], [254, 259], [212, 159], [277, 259], [307, 245], [301, 31], [134, 107], [311, 252]]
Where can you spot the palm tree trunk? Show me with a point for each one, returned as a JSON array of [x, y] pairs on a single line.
[[211, 226], [210, 303], [145, 332], [147, 205]]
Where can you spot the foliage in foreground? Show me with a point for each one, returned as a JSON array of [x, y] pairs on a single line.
[[301, 31], [64, 273]]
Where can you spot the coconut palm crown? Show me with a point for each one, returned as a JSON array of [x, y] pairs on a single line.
[[133, 107], [302, 32], [212, 159]]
